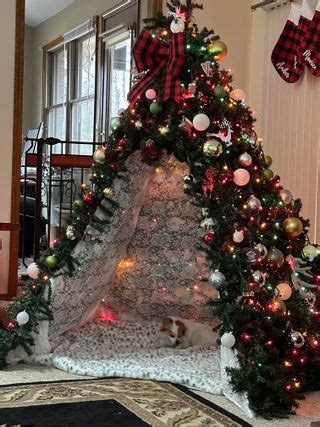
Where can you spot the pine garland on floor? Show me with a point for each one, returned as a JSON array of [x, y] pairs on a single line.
[[263, 265]]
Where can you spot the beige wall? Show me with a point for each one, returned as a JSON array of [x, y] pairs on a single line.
[[7, 46], [231, 20]]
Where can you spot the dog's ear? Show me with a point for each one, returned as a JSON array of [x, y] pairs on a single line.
[[182, 329], [166, 324]]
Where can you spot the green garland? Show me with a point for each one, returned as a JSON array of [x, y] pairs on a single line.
[[276, 339]]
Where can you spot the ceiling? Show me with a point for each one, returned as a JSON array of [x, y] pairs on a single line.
[[38, 11]]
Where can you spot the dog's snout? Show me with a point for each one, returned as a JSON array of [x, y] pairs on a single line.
[[177, 341]]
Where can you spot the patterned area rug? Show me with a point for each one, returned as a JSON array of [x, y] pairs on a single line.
[[108, 402]]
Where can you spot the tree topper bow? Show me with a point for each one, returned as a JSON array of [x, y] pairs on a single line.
[[163, 64]]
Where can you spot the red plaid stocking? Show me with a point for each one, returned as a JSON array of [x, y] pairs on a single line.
[[286, 56], [311, 50]]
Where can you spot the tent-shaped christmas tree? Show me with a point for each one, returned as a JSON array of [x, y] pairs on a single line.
[[182, 175]]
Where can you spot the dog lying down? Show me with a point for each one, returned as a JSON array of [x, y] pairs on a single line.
[[183, 333]]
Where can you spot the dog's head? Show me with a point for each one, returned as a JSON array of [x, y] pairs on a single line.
[[174, 329]]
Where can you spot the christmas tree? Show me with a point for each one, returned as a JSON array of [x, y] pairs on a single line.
[[263, 265]]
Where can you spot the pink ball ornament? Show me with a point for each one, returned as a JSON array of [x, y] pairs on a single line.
[[238, 237], [238, 95], [241, 177], [151, 94], [201, 122], [33, 271]]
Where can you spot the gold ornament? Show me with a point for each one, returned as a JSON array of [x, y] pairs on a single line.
[[284, 291], [108, 192], [278, 305], [219, 49], [293, 227], [99, 156], [212, 148], [268, 160]]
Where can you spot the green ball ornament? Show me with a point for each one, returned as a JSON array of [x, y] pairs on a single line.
[[212, 148], [268, 160], [310, 252], [219, 49], [99, 156], [219, 92], [50, 261], [78, 203], [293, 227], [268, 174], [155, 108], [115, 124]]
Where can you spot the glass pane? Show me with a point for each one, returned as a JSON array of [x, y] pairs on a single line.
[[59, 77], [57, 126], [119, 76], [82, 126], [86, 66]]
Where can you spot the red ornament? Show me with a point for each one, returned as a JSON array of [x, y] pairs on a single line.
[[208, 239], [149, 154], [208, 182], [89, 199], [224, 131], [114, 165], [122, 144]]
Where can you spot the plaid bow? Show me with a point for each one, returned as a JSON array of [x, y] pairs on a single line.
[[163, 63]]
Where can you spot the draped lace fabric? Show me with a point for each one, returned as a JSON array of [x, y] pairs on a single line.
[[147, 265]]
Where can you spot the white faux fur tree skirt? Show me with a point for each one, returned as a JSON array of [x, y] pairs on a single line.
[[131, 350]]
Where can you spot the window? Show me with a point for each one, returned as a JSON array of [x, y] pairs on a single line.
[[119, 26], [70, 103], [119, 53]]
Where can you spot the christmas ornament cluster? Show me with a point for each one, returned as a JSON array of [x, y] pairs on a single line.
[[264, 269]]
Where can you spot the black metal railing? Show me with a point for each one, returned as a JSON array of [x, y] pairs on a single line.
[[50, 183]]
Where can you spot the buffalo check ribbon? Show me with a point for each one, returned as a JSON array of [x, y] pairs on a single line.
[[163, 64]]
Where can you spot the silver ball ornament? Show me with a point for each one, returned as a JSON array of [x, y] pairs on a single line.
[[286, 197], [217, 279], [177, 26], [22, 318], [310, 252], [254, 203], [99, 156], [245, 159]]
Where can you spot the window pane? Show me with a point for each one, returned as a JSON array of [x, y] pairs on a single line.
[[82, 125], [86, 66], [59, 77], [57, 126], [120, 76]]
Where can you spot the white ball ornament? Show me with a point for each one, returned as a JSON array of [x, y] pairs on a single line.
[[238, 95], [284, 291], [177, 26], [33, 271], [22, 318], [121, 111], [238, 237], [228, 340], [201, 122], [245, 159], [151, 94], [241, 177]]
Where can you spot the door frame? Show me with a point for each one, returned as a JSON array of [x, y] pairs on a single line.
[[16, 150]]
